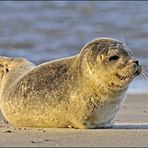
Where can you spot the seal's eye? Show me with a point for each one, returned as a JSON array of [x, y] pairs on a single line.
[[113, 58]]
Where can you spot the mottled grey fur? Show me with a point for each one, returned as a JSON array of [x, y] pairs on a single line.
[[80, 91]]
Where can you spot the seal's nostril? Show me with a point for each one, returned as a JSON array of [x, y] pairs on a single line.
[[137, 62]]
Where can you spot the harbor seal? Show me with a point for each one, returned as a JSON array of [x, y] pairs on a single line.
[[82, 91]]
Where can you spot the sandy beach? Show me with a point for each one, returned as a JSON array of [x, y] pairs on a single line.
[[131, 129]]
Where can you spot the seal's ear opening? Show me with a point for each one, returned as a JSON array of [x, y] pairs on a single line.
[[7, 70]]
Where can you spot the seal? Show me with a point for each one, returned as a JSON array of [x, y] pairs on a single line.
[[82, 91]]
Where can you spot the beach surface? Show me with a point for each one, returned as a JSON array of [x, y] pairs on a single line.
[[131, 129]]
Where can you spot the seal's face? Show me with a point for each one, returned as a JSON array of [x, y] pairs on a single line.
[[112, 62]]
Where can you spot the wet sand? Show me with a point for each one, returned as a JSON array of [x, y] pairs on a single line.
[[131, 129]]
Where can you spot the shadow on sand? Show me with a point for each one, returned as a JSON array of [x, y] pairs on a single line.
[[130, 126]]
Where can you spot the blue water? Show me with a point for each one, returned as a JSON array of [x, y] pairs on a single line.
[[45, 30]]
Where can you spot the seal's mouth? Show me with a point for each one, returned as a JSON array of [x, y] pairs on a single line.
[[136, 73], [132, 69], [122, 77]]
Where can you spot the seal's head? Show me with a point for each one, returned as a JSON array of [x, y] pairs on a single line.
[[109, 62], [9, 63], [3, 71]]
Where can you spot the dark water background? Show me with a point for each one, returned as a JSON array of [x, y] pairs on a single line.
[[45, 30]]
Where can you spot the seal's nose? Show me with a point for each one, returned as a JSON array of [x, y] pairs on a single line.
[[133, 60], [137, 62]]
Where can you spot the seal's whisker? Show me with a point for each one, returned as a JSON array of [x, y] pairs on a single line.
[[122, 39], [142, 77], [144, 74]]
